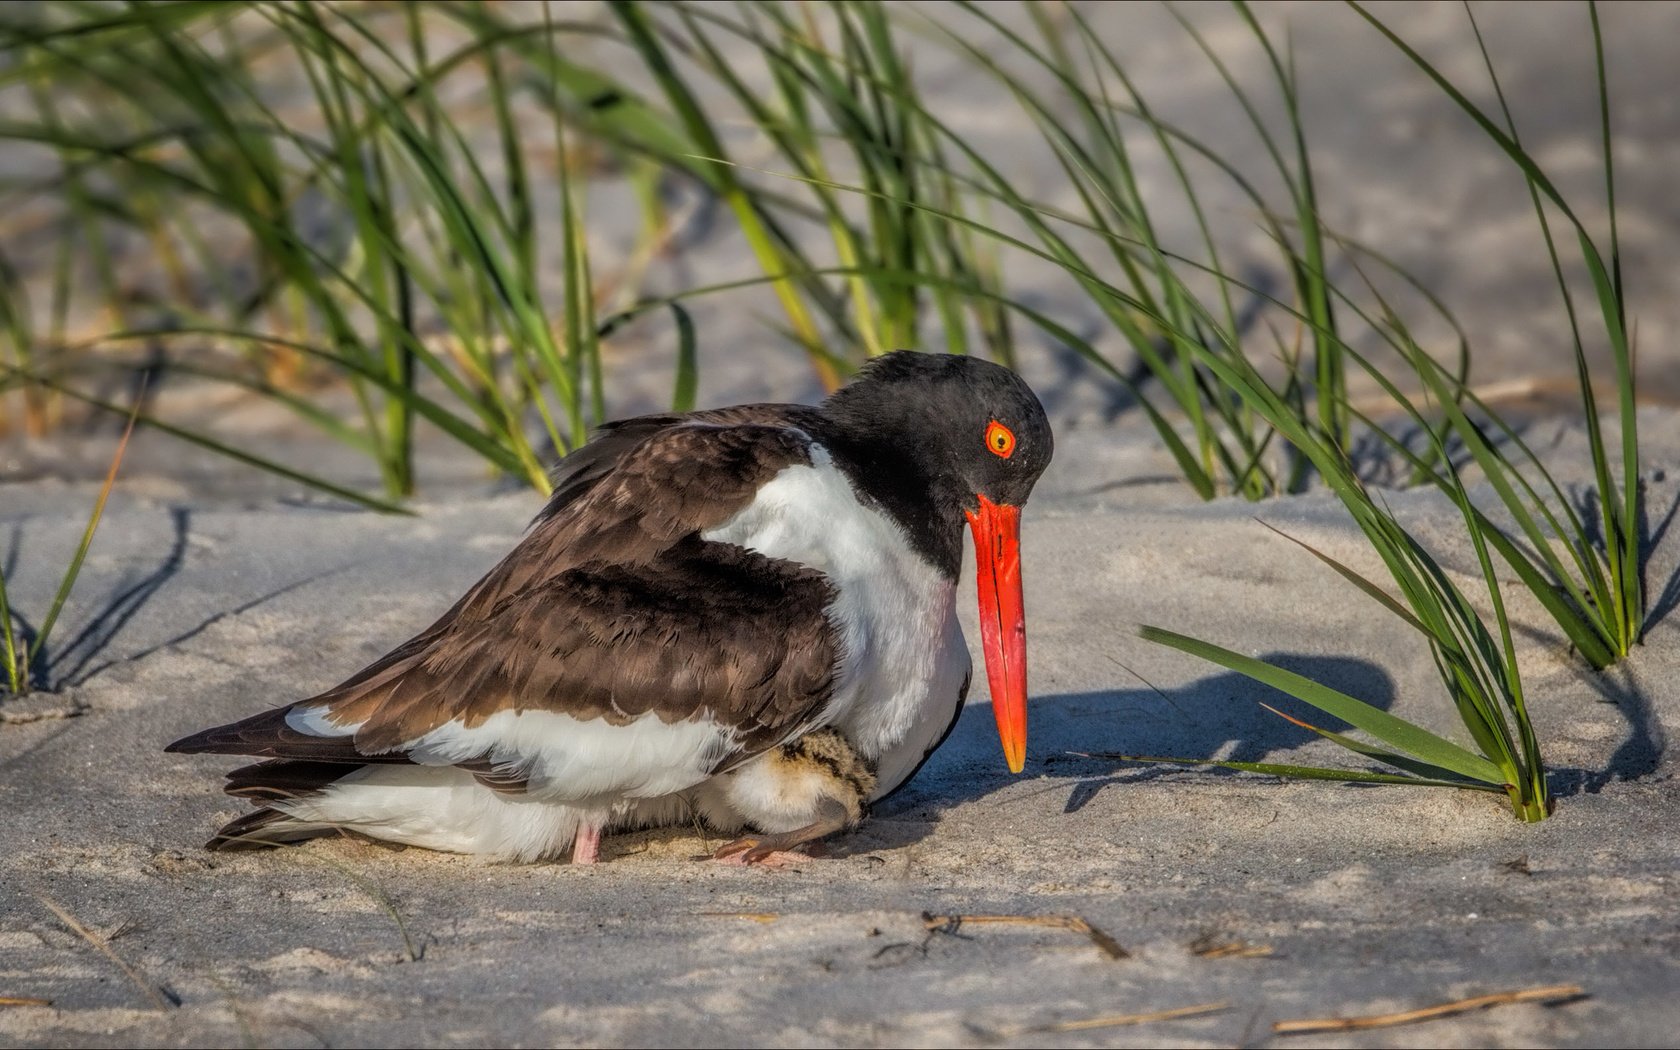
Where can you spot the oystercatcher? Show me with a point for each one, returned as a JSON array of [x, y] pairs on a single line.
[[746, 613]]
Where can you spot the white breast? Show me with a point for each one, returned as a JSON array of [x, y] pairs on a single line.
[[903, 658]]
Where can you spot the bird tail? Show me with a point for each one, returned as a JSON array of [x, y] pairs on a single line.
[[275, 781]]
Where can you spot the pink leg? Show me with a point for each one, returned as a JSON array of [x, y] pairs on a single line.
[[586, 848]]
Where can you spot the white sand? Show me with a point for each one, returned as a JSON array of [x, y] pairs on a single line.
[[219, 598]]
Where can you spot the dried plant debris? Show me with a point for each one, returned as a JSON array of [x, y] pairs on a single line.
[[1120, 1020], [159, 998], [1550, 995], [1216, 946], [40, 707], [752, 916], [1105, 943], [951, 924]]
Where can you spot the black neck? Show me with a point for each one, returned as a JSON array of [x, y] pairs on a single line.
[[886, 471]]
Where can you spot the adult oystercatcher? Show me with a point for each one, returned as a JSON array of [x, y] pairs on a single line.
[[746, 613]]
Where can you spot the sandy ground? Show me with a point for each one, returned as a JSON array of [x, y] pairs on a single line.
[[210, 595], [1367, 899]]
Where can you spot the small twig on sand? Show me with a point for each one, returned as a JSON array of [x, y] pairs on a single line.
[[23, 1000], [755, 916], [1117, 1020], [1106, 944], [1551, 994], [149, 989], [375, 892], [1210, 947]]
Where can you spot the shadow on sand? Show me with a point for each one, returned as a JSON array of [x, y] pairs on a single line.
[[1218, 717], [58, 666]]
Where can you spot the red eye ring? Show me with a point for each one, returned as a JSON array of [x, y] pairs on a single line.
[[1000, 440]]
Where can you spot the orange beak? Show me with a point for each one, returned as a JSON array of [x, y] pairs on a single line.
[[1003, 621]]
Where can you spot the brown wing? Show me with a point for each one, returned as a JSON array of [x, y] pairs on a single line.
[[611, 608], [615, 455], [701, 629]]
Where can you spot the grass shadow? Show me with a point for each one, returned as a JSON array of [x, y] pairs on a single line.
[[1668, 598], [68, 666], [1218, 717], [1639, 755], [57, 667], [208, 622]]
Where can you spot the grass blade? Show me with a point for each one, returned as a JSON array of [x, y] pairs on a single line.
[[688, 374], [1397, 732], [1282, 769], [74, 569], [1372, 590]]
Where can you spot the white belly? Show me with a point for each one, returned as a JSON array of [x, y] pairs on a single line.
[[903, 659]]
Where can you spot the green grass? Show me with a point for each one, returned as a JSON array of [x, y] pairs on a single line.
[[19, 653], [1477, 663], [1593, 592], [1602, 604], [427, 300], [431, 305]]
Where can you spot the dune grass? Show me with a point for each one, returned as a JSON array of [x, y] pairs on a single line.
[[1593, 589], [1603, 606], [1478, 664], [20, 650], [1176, 318], [425, 294], [911, 261]]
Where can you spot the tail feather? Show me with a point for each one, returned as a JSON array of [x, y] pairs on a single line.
[[264, 829], [307, 786], [268, 735], [276, 780], [279, 779]]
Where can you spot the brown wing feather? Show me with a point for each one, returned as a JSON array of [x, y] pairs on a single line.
[[615, 451], [611, 607], [266, 735], [704, 629]]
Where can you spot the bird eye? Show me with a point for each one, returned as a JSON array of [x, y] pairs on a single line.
[[1000, 440]]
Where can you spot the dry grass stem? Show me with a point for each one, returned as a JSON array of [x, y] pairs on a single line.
[[754, 916], [1105, 943], [147, 988], [1120, 1020], [1551, 994], [374, 891], [1213, 948], [23, 1000]]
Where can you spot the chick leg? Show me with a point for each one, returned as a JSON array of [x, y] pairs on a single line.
[[818, 784], [773, 850]]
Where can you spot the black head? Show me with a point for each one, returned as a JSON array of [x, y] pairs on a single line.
[[927, 435]]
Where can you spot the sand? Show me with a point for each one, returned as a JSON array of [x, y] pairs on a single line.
[[212, 593]]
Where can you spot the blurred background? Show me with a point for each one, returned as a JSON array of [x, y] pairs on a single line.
[[357, 249]]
